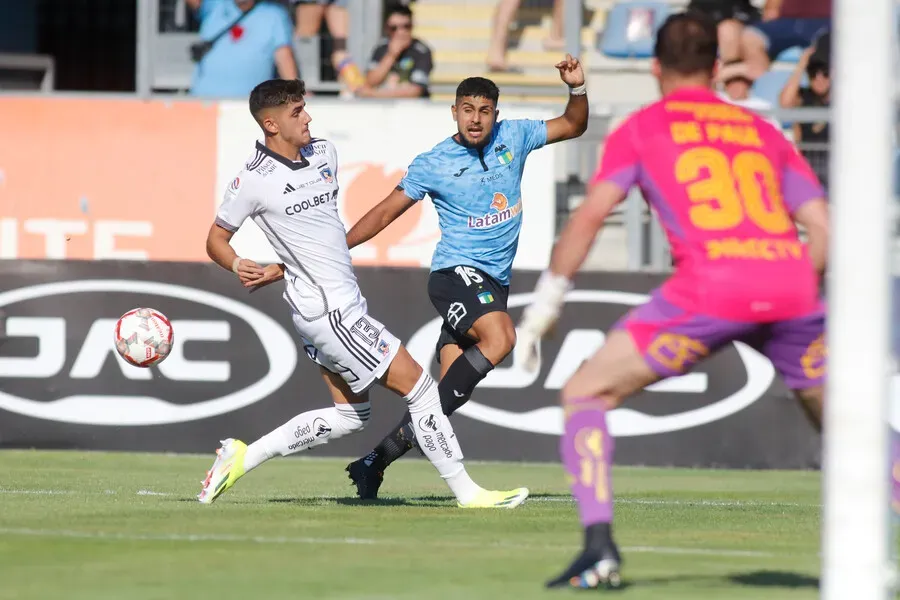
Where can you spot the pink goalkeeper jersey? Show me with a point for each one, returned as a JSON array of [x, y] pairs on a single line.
[[724, 184]]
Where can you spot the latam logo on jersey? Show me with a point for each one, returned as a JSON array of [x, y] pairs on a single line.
[[503, 212]]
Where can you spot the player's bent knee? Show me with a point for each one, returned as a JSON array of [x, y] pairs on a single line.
[[507, 340], [498, 344], [403, 373]]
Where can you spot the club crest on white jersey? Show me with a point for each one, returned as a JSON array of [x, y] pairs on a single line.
[[294, 202]]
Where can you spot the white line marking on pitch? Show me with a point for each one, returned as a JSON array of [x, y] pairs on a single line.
[[72, 492], [204, 537], [37, 492]]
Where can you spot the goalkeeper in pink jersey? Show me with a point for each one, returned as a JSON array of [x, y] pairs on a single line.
[[728, 189]]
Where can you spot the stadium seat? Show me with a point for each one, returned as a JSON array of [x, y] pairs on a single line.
[[791, 55], [631, 28], [769, 86]]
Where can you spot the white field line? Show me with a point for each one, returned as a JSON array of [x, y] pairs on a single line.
[[349, 541], [488, 463]]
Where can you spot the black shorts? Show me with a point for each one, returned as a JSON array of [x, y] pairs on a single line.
[[461, 295]]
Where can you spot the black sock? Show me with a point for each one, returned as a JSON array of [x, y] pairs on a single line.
[[597, 537], [398, 442], [455, 389], [464, 374]]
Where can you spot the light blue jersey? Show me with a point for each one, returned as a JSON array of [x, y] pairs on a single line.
[[243, 57], [477, 195]]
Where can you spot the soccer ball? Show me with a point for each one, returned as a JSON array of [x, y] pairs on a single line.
[[143, 337]]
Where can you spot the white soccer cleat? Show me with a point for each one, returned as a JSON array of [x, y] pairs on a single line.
[[226, 470], [492, 499]]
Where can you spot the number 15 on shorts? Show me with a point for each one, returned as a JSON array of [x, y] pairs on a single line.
[[469, 275]]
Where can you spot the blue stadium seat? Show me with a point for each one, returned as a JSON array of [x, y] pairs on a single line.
[[769, 86], [631, 28], [791, 55]]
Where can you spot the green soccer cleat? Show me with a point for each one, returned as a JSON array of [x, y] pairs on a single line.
[[226, 470], [492, 499]]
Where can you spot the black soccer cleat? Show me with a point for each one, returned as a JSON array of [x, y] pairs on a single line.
[[366, 478], [592, 570]]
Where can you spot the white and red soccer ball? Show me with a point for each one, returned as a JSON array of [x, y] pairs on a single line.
[[143, 337]]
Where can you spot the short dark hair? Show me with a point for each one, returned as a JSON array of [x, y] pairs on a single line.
[[687, 43], [397, 9], [478, 87], [275, 92]]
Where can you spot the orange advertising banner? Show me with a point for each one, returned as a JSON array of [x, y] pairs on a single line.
[[106, 178]]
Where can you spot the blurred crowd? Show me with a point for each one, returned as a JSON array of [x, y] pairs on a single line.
[[247, 41], [750, 40], [244, 42]]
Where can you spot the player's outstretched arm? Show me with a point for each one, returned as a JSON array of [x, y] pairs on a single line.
[[574, 120], [813, 216], [379, 217]]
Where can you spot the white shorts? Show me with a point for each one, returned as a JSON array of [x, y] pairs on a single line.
[[348, 342]]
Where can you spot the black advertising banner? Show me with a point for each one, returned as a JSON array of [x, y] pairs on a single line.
[[237, 369]]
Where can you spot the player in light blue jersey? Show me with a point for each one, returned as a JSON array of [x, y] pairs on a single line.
[[474, 180]]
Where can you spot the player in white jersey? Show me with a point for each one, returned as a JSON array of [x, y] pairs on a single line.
[[289, 189]]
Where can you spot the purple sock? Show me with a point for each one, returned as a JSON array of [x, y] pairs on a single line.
[[586, 449]]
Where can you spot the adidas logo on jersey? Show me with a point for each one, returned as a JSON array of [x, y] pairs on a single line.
[[289, 188]]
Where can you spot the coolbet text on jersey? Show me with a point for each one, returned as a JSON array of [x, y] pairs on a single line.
[[724, 184], [295, 205], [294, 202], [477, 194]]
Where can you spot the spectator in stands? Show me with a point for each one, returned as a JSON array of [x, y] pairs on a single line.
[[401, 64], [731, 17], [244, 43], [503, 16], [786, 24], [309, 15], [739, 90], [811, 138]]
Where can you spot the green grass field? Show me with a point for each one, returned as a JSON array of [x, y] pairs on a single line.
[[114, 526]]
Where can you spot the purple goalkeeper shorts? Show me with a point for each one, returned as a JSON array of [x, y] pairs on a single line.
[[672, 340]]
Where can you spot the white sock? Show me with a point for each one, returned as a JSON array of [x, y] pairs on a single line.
[[308, 430], [437, 440]]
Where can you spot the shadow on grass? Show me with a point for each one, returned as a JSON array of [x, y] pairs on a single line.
[[421, 501], [757, 579], [772, 579]]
